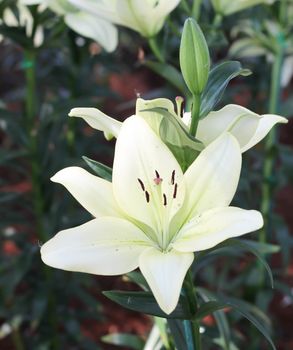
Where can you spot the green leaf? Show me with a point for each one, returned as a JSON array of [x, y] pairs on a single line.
[[145, 302], [100, 169], [219, 78], [246, 245], [169, 73], [174, 134], [208, 308], [177, 330], [248, 311], [123, 339], [221, 320], [138, 278]]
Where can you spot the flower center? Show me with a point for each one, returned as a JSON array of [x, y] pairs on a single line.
[[159, 193]]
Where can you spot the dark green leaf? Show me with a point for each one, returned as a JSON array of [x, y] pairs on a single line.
[[246, 245], [123, 339], [177, 330], [208, 308], [145, 302], [250, 312], [219, 78], [100, 169]]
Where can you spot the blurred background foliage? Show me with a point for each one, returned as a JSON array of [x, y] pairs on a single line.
[[43, 76]]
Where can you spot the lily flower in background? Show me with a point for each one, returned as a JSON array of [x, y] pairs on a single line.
[[152, 216], [228, 7], [87, 24], [247, 127], [146, 17], [23, 18]]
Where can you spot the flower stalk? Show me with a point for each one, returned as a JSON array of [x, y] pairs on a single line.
[[275, 90], [191, 328], [156, 50], [195, 110], [36, 172]]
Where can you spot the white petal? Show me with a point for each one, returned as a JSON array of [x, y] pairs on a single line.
[[248, 127], [212, 179], [145, 17], [215, 226], [165, 273], [287, 71], [265, 124], [93, 193], [104, 246], [98, 120], [139, 155], [98, 29], [152, 118]]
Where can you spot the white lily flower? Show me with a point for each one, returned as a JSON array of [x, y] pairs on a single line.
[[152, 216], [82, 22], [248, 127], [228, 7], [23, 19], [146, 17]]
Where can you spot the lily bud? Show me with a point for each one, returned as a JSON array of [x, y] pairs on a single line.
[[194, 57]]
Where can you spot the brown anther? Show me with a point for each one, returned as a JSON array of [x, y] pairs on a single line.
[[173, 177], [141, 184], [165, 199], [175, 191], [147, 196], [157, 179]]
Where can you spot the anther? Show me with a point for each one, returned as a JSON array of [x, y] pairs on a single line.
[[165, 199], [141, 184], [157, 179], [175, 191], [147, 196], [173, 177]]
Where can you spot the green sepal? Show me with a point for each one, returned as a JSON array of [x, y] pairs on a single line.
[[145, 302], [194, 57], [174, 134], [219, 78], [100, 169]]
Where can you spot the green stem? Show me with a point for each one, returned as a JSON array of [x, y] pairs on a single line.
[[196, 9], [36, 171], [191, 328], [270, 142], [17, 340], [31, 108], [155, 49], [195, 110]]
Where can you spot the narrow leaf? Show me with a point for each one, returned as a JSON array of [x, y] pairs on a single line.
[[219, 78], [169, 73], [208, 308], [123, 339], [145, 302], [100, 169]]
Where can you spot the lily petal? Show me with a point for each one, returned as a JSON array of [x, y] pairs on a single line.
[[152, 118], [98, 29], [104, 246], [212, 179], [165, 273], [215, 226], [98, 120], [248, 127], [93, 193], [147, 179]]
